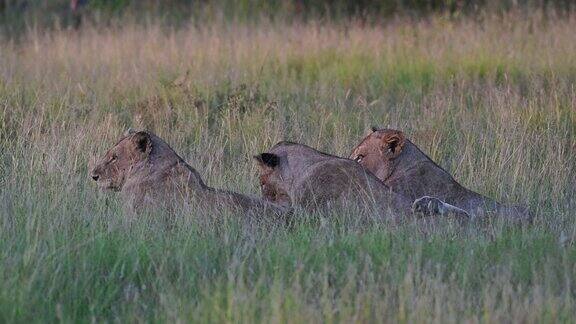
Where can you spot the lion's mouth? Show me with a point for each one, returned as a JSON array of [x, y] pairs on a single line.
[[107, 185]]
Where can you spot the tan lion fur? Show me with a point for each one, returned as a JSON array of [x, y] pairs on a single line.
[[148, 173], [403, 167]]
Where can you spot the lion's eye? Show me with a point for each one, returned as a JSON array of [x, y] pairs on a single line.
[[359, 158], [113, 158]]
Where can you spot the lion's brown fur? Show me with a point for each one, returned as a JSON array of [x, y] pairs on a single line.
[[147, 172], [296, 175], [402, 166]]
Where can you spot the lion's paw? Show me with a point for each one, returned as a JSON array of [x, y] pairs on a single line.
[[428, 206]]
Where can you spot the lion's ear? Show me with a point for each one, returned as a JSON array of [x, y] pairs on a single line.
[[129, 131], [142, 142], [267, 160], [392, 143]]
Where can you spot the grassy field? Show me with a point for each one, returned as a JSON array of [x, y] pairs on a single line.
[[493, 101]]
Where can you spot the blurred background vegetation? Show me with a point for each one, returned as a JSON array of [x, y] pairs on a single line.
[[19, 15]]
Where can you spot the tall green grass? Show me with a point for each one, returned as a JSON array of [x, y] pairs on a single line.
[[493, 102]]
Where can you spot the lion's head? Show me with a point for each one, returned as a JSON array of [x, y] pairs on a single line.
[[272, 183], [112, 170], [378, 151]]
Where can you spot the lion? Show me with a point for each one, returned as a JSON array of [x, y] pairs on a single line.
[[147, 173], [402, 166], [296, 175]]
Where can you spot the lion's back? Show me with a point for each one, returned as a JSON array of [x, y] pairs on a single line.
[[345, 181]]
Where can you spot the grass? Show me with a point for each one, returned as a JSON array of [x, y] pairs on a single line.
[[492, 101]]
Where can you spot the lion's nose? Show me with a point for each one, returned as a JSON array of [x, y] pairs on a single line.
[[95, 177]]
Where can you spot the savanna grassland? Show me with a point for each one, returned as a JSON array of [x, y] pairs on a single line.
[[492, 100]]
